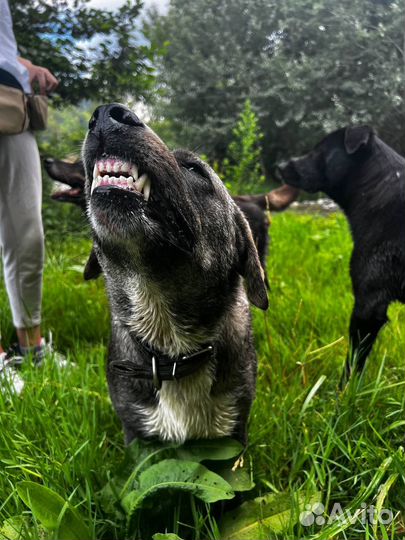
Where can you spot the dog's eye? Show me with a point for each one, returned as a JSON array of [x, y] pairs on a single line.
[[197, 168]]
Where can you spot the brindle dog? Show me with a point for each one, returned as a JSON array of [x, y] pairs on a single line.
[[174, 249]]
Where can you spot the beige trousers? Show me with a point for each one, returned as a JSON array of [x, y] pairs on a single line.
[[21, 232]]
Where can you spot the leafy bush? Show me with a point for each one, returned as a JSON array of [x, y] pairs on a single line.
[[242, 170]]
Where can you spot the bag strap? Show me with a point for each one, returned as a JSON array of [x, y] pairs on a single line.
[[8, 79]]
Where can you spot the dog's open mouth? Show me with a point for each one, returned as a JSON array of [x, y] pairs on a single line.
[[117, 173]]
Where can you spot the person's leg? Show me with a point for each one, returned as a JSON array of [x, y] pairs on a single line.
[[21, 233]]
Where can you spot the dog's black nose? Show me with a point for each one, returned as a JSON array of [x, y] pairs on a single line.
[[48, 160], [123, 115], [116, 114], [279, 168]]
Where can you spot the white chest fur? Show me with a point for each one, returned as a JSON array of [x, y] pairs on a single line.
[[187, 410], [152, 320]]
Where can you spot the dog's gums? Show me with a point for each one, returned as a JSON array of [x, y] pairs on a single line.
[[120, 174]]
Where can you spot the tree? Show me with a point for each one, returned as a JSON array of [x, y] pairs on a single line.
[[215, 57], [307, 66], [95, 53], [242, 167]]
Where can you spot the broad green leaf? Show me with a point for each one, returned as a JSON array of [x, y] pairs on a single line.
[[12, 528], [139, 455], [140, 449], [210, 449], [166, 536], [382, 495], [182, 475], [254, 518], [53, 512], [240, 479]]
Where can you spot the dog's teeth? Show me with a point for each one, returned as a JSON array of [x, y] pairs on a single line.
[[125, 167], [101, 166], [116, 167], [108, 167], [134, 171], [130, 181], [95, 171], [106, 178], [146, 189], [95, 183], [122, 179], [141, 182]]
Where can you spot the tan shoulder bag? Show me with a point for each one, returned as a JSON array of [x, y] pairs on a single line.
[[37, 111], [13, 105], [20, 111]]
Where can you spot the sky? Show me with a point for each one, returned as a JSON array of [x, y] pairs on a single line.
[[113, 4]]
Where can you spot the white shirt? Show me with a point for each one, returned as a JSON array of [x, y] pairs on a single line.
[[8, 49]]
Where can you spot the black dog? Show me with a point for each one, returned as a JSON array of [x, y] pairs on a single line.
[[366, 178], [255, 207], [173, 247]]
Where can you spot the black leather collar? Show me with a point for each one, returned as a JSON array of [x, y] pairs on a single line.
[[160, 367]]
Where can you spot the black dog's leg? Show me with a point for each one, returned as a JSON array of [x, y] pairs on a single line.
[[363, 333], [92, 270]]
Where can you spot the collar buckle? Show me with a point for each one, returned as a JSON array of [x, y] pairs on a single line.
[[157, 383], [174, 371]]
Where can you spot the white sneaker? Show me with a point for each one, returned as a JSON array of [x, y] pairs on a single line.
[[45, 350], [9, 378]]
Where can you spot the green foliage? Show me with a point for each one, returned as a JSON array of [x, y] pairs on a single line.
[[242, 166], [63, 139], [66, 131], [96, 54], [165, 536], [53, 512], [305, 436], [179, 475], [151, 468], [259, 517], [307, 67], [13, 528]]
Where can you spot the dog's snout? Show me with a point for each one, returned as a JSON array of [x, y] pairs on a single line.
[[285, 169], [122, 115], [106, 116], [94, 118], [278, 170], [288, 171], [282, 165]]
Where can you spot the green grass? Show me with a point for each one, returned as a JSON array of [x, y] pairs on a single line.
[[305, 435]]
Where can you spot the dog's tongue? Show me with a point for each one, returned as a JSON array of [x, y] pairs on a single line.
[[71, 193]]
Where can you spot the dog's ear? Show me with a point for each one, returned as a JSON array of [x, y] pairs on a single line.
[[281, 198], [357, 137], [249, 266], [92, 270]]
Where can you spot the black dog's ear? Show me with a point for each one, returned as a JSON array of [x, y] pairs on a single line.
[[357, 137], [92, 270], [249, 266]]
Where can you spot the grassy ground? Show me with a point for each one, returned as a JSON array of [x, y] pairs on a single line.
[[305, 435]]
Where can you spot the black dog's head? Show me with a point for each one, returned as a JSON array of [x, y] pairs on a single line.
[[328, 164], [163, 215], [69, 174]]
